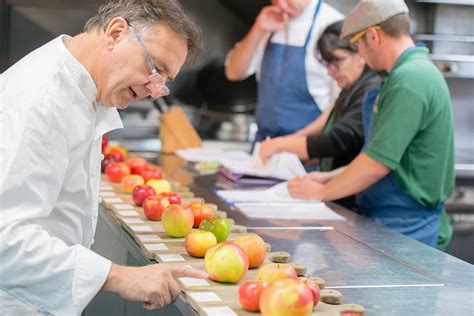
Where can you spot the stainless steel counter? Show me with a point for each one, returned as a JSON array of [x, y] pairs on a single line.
[[387, 273]]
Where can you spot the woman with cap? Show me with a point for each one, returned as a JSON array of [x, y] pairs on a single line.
[[337, 136]]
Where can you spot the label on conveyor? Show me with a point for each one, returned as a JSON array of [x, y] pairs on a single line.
[[148, 238], [107, 193], [219, 311], [202, 297], [105, 188], [156, 247], [190, 282], [132, 220], [124, 207], [128, 213], [112, 200], [140, 228], [171, 257]]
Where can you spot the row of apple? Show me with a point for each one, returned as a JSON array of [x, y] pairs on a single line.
[[277, 289]]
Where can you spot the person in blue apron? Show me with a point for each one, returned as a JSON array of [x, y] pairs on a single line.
[[293, 85], [406, 170]]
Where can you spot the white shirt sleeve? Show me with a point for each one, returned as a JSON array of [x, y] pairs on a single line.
[[38, 268], [256, 62]]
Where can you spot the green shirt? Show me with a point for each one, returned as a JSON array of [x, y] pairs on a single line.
[[413, 128]]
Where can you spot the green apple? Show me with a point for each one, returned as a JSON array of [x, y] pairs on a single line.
[[160, 186], [220, 227]]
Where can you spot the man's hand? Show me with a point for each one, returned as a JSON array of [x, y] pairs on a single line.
[[305, 188], [154, 285], [272, 19]]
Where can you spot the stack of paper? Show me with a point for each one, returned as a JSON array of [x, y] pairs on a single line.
[[293, 211], [277, 193]]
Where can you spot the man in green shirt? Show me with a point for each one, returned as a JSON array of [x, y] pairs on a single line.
[[406, 171]]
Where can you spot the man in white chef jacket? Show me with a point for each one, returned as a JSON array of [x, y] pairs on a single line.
[[56, 103]]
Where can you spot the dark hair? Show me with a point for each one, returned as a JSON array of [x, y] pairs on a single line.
[[143, 13], [397, 25], [329, 41]]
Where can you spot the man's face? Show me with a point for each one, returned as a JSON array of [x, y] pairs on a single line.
[[292, 7], [124, 77], [370, 54]]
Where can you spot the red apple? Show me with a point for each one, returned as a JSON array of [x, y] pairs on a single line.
[[116, 171], [249, 294], [197, 243], [286, 297], [105, 141], [177, 221], [117, 154], [200, 212], [106, 161], [315, 290], [151, 173], [141, 192], [122, 150], [276, 271], [155, 205], [136, 165], [226, 262], [254, 247], [130, 182], [172, 197]]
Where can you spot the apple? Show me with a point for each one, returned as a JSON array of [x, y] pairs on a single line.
[[254, 247], [226, 262], [116, 171], [286, 297], [249, 294], [155, 205], [106, 161], [141, 192], [172, 197], [136, 165], [315, 290], [160, 186], [177, 221], [200, 212], [220, 227], [109, 149], [276, 271], [130, 182], [152, 173], [197, 243], [105, 141]]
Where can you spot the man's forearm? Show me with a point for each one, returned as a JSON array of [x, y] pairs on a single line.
[[361, 173], [241, 56], [317, 126]]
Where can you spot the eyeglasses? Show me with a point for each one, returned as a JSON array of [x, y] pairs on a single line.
[[157, 84], [361, 34], [336, 62]]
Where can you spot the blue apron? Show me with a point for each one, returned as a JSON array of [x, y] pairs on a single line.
[[387, 203], [284, 103]]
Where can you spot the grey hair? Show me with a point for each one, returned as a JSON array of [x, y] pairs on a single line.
[[143, 13]]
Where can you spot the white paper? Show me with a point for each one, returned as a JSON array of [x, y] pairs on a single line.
[[293, 211], [148, 238], [277, 193], [124, 206], [196, 154], [112, 200], [193, 282], [219, 311], [156, 247], [140, 228], [132, 220], [283, 166], [128, 213], [173, 257], [202, 297], [107, 193]]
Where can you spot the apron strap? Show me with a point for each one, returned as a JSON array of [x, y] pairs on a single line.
[[318, 8]]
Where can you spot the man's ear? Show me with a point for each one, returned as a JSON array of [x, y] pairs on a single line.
[[373, 36], [116, 31]]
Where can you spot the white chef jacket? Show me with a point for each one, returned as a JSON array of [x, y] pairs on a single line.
[[51, 131], [321, 86]]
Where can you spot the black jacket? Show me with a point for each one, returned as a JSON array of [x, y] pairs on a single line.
[[345, 139]]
